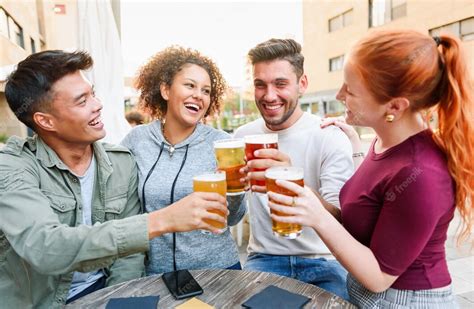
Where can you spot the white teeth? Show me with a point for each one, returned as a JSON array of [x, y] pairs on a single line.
[[195, 106], [272, 107], [191, 105], [95, 121]]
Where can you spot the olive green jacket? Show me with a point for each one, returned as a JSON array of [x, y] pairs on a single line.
[[42, 241]]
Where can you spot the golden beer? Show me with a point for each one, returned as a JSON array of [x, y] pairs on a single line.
[[290, 173], [212, 182], [255, 142], [230, 159]]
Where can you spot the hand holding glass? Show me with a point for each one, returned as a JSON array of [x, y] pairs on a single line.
[[289, 173], [212, 182], [255, 142]]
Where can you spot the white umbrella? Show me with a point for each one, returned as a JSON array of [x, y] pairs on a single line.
[[98, 35]]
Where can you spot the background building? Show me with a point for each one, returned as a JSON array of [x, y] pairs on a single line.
[[27, 27], [30, 26], [330, 28]]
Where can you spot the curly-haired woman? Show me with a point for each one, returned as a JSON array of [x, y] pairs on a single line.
[[179, 87]]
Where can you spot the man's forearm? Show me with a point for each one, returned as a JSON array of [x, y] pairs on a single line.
[[333, 210]]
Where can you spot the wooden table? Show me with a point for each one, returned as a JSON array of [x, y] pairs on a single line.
[[222, 289]]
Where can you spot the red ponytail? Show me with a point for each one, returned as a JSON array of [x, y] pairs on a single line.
[[456, 128]]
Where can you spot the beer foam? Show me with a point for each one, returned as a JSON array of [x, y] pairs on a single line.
[[285, 173], [210, 177], [261, 139], [229, 143]]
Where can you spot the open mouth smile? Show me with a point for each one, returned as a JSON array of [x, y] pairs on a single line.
[[96, 121], [192, 107]]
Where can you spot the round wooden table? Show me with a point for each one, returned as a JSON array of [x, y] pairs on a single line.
[[222, 289]]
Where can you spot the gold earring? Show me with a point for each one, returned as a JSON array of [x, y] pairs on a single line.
[[389, 118]]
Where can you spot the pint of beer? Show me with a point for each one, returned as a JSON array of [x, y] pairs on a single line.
[[212, 182], [230, 158], [290, 173], [255, 142]]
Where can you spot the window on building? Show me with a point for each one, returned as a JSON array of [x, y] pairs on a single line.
[[398, 9], [11, 29], [348, 16], [16, 33], [334, 108], [384, 11], [335, 23], [336, 63], [467, 29], [463, 29], [305, 107], [3, 22], [33, 45], [340, 21], [450, 28]]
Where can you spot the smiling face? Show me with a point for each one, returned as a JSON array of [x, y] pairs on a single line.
[[361, 107], [75, 113], [189, 95], [277, 89]]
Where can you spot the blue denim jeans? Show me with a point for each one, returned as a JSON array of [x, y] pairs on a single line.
[[326, 274], [236, 266]]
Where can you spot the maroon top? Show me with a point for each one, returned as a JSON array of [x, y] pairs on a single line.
[[399, 203]]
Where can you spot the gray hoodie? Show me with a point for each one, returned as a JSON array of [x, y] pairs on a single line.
[[194, 250]]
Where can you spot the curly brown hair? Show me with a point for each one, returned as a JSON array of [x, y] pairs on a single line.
[[163, 67]]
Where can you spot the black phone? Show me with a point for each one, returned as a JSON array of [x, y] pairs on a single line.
[[181, 284]]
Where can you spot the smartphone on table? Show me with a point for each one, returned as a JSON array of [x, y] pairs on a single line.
[[181, 284]]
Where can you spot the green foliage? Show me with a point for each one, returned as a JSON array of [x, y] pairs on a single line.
[[233, 115], [3, 138]]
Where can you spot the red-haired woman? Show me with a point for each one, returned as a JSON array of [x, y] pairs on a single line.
[[397, 206]]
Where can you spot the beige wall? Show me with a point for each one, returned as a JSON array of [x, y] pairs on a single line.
[[320, 45], [66, 27], [25, 15], [59, 32], [23, 12]]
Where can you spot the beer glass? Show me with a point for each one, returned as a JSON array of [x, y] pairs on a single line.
[[290, 173], [212, 182], [230, 158], [255, 142]]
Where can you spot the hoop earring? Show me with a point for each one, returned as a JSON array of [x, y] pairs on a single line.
[[390, 118]]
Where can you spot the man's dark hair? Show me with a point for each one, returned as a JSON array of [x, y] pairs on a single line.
[[28, 88], [282, 49]]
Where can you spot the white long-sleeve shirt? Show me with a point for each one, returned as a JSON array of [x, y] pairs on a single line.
[[326, 157]]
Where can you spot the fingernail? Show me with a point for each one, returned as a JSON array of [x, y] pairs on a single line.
[[256, 153]]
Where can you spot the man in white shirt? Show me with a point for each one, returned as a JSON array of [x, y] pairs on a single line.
[[324, 154]]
